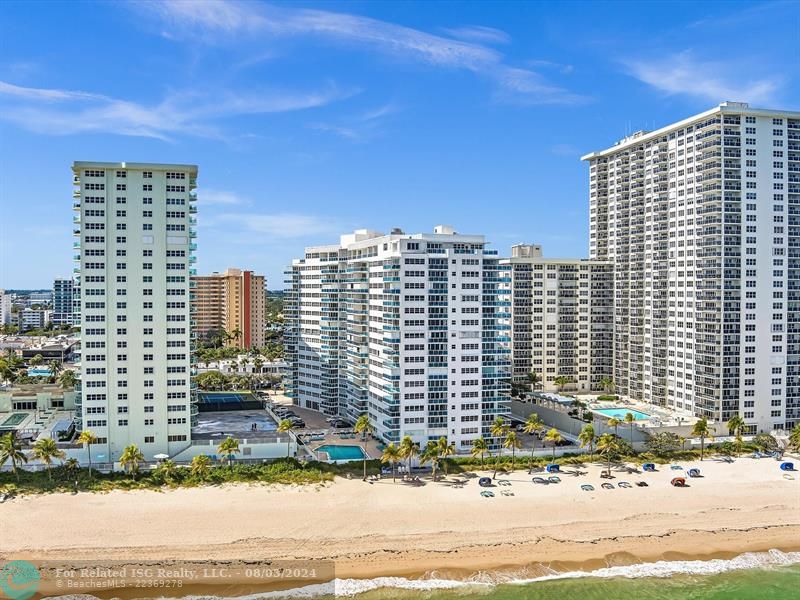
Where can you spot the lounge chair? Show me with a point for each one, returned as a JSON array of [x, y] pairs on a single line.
[[554, 479], [693, 472], [650, 467], [678, 482], [607, 486], [606, 475], [787, 466], [506, 493], [624, 484], [503, 482], [541, 480], [787, 476], [587, 487], [756, 454], [485, 481], [641, 483], [487, 494], [676, 467], [553, 468]]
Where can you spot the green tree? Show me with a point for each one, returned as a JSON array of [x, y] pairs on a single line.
[[130, 459], [513, 442], [87, 438], [586, 438], [67, 380], [391, 455], [735, 426], [445, 449], [702, 430], [561, 382], [794, 438], [11, 450], [479, 449], [55, 368], [431, 455], [408, 450], [555, 438], [607, 384], [228, 448], [166, 470], [614, 422], [629, 420], [664, 443], [533, 425], [534, 380], [71, 466], [45, 450], [363, 427], [36, 360], [201, 466], [765, 442], [608, 446], [286, 426]]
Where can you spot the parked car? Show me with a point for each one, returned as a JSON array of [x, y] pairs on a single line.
[[298, 423], [340, 424]]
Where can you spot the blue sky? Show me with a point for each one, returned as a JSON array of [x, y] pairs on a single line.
[[310, 119]]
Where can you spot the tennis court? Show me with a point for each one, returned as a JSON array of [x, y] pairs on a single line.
[[219, 401]]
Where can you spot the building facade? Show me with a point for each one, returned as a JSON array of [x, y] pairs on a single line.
[[135, 227], [700, 220], [62, 301], [561, 320], [33, 318], [413, 330], [233, 302], [5, 308]]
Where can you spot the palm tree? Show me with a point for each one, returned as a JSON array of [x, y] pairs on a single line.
[[431, 455], [258, 364], [794, 438], [391, 454], [45, 450], [55, 367], [479, 448], [607, 445], [735, 426], [36, 360], [11, 450], [513, 442], [408, 450], [167, 469], [629, 420], [702, 430], [445, 450], [614, 422], [71, 465], [130, 459], [533, 426], [586, 438], [88, 438], [228, 447], [67, 379], [554, 437], [363, 426], [498, 430], [201, 466], [561, 382], [534, 380], [682, 440], [607, 384], [285, 426]]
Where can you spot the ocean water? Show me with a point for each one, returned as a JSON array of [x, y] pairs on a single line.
[[772, 575]]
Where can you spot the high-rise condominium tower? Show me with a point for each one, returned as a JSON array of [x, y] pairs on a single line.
[[562, 313], [62, 301], [232, 303], [700, 220], [411, 329], [135, 226]]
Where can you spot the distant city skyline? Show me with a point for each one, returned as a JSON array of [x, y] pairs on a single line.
[[308, 119]]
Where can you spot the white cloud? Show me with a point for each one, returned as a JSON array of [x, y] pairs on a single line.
[[63, 112], [479, 33], [682, 73], [210, 196], [232, 19], [281, 225], [345, 132]]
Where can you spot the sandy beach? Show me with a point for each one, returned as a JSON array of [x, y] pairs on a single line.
[[387, 528]]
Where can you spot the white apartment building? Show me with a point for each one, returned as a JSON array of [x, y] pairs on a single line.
[[701, 220], [5, 308], [411, 329], [33, 318], [63, 289], [562, 314], [135, 226]]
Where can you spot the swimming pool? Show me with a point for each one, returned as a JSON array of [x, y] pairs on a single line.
[[39, 372], [620, 413], [342, 452], [15, 419]]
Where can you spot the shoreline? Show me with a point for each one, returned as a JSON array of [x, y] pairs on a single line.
[[445, 530]]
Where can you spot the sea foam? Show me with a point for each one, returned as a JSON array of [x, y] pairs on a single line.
[[662, 568]]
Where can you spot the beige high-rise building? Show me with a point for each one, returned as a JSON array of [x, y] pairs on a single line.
[[235, 302]]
